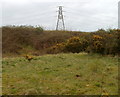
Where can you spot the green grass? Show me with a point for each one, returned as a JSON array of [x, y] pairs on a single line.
[[57, 75]]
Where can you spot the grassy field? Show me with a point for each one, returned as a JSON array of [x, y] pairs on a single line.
[[61, 74]]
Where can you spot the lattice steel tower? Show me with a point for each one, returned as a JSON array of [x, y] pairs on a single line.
[[60, 21]]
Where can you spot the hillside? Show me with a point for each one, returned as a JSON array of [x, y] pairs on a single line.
[[58, 65], [21, 40], [28, 39], [61, 74]]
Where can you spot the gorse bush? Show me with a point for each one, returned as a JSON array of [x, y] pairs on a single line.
[[76, 44], [99, 42], [17, 39], [58, 48], [97, 45]]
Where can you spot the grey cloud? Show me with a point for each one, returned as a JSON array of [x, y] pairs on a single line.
[[86, 15]]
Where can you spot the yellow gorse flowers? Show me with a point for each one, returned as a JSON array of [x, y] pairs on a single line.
[[28, 57], [97, 37]]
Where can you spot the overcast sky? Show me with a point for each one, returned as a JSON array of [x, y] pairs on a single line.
[[83, 15]]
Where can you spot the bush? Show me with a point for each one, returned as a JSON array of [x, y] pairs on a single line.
[[16, 38], [101, 42], [97, 45], [76, 45], [58, 48], [39, 30]]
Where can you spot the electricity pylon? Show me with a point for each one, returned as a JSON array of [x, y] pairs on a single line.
[[60, 21]]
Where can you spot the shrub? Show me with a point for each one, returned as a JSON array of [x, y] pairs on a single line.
[[16, 38], [97, 44], [39, 30], [58, 48], [76, 45]]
